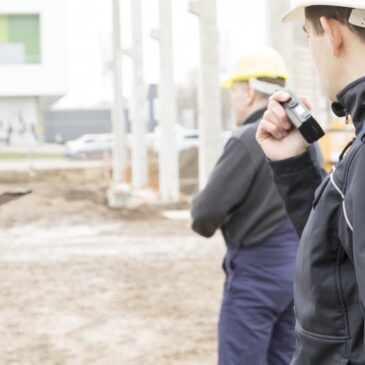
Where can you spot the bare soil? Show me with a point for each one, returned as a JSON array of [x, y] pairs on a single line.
[[82, 284]]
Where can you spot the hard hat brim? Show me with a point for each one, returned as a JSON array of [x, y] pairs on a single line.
[[297, 14], [227, 84]]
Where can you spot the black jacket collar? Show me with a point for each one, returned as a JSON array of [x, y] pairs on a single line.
[[255, 116], [351, 100]]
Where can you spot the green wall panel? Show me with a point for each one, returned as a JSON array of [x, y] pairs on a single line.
[[25, 29], [4, 35]]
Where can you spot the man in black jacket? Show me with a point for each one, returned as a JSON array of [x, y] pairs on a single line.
[[256, 325], [328, 211]]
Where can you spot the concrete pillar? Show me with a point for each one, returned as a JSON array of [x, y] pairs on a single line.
[[139, 103], [280, 35], [168, 149], [210, 110], [118, 122]]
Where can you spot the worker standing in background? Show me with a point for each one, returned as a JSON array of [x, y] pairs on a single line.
[[256, 324]]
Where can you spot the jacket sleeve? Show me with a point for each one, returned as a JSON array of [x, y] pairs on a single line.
[[355, 215], [226, 188], [297, 179]]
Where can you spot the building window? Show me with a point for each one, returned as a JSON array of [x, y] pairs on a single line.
[[19, 39]]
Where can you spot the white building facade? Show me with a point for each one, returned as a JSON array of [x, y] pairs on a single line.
[[33, 62]]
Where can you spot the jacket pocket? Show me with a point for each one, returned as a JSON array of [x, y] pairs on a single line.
[[228, 268], [320, 349]]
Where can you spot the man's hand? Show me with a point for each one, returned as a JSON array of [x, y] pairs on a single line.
[[276, 135]]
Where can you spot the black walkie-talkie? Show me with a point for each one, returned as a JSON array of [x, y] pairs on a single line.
[[302, 119]]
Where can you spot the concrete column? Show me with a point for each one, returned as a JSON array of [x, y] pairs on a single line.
[[118, 122], [279, 35], [210, 110], [168, 149], [139, 103]]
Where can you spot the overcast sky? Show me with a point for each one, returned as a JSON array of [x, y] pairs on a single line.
[[241, 24]]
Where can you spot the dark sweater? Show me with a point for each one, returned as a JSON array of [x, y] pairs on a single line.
[[240, 197]]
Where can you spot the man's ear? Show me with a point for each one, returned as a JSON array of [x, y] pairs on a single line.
[[251, 96], [333, 32]]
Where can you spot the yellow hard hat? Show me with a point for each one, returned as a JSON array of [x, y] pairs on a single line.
[[265, 62]]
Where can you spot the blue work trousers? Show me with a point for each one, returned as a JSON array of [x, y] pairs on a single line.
[[256, 324]]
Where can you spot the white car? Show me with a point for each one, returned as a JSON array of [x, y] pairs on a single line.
[[94, 145], [89, 145]]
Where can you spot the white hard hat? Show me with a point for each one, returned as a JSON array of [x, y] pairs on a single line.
[[296, 12]]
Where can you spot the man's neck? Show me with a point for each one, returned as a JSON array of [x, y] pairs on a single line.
[[255, 115], [253, 109], [353, 66]]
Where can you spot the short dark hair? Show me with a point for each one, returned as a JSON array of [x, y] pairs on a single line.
[[341, 14], [271, 80]]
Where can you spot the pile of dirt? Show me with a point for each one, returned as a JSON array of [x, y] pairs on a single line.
[[80, 203], [79, 195], [188, 171]]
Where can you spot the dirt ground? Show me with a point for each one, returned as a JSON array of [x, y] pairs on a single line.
[[83, 285]]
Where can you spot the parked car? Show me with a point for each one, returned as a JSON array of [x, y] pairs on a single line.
[[89, 145], [94, 145]]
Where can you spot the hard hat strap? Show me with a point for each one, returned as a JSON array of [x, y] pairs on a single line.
[[264, 87]]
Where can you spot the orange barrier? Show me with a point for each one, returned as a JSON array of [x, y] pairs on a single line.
[[338, 135]]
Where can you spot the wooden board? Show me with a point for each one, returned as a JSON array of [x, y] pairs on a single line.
[[9, 196]]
